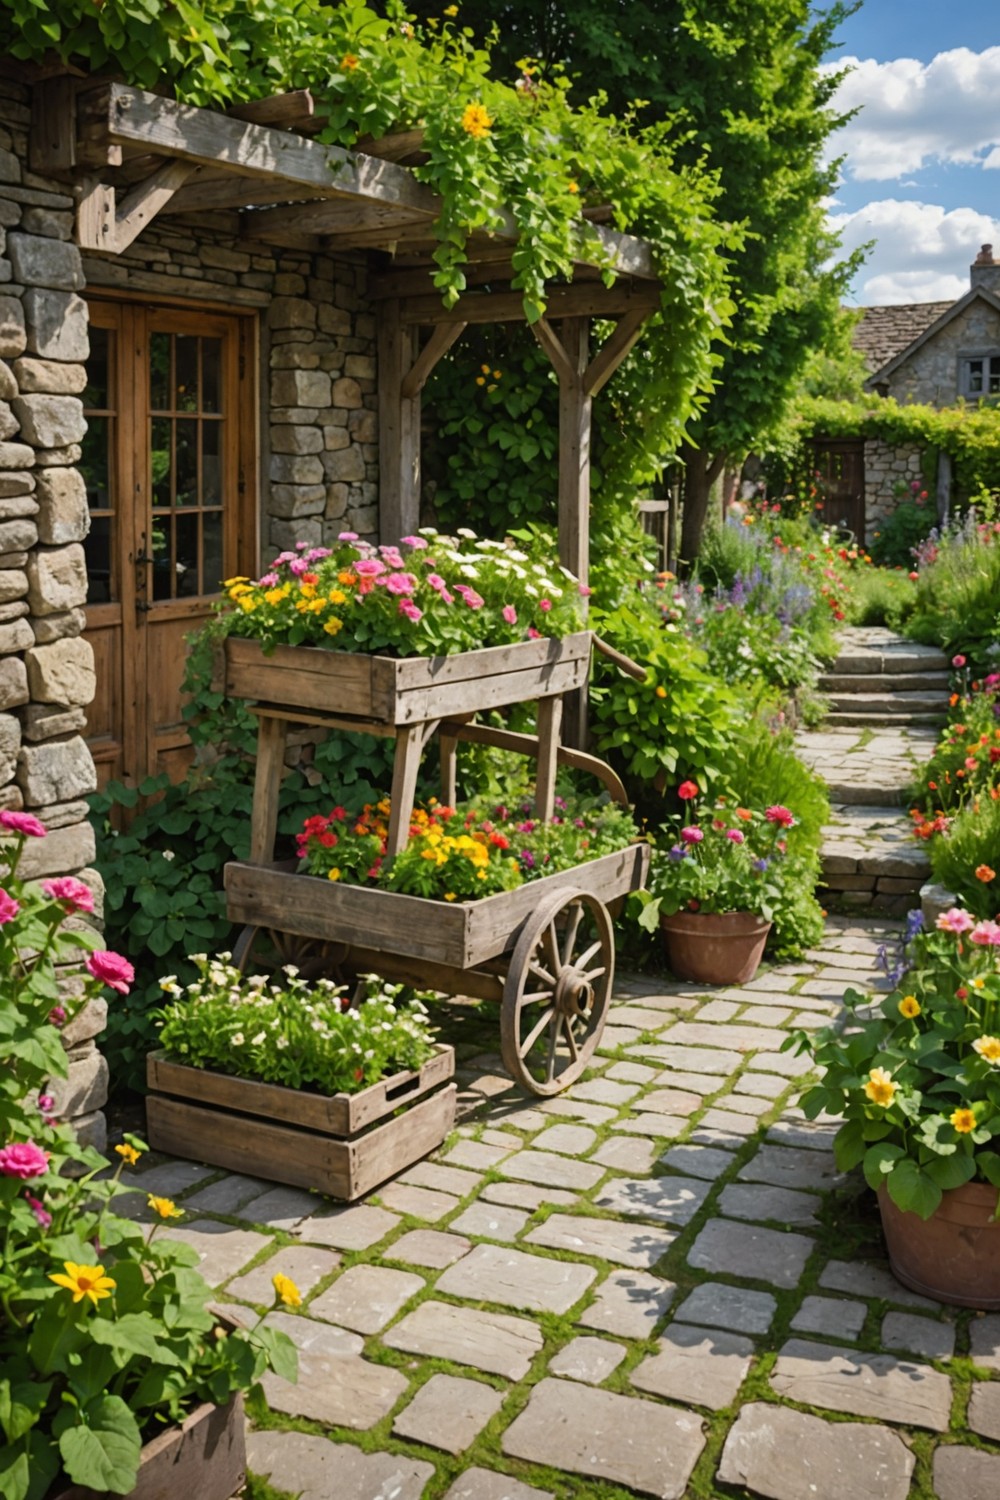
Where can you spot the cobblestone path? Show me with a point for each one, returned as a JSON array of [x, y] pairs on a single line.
[[656, 1284]]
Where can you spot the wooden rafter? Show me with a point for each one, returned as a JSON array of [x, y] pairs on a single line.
[[436, 347], [589, 299]]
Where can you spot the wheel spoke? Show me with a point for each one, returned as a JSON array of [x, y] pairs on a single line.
[[551, 941], [594, 973], [553, 1043], [574, 1049], [540, 973], [585, 958], [572, 927], [536, 1031], [535, 996]]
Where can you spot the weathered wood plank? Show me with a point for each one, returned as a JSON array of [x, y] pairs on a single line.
[[145, 201], [552, 345], [490, 661], [305, 676], [527, 744], [272, 737], [436, 346], [410, 742], [549, 720], [286, 111], [611, 353], [330, 1114], [562, 301], [52, 138], [398, 428]]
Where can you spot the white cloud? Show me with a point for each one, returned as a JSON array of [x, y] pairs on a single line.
[[912, 113], [922, 251]]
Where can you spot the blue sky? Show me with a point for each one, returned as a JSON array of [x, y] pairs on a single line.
[[921, 174]]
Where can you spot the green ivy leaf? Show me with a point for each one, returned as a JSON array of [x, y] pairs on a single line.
[[912, 1189], [102, 1449]]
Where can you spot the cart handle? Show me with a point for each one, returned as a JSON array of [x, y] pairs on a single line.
[[527, 744], [621, 660]]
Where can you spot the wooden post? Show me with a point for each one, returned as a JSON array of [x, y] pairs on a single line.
[[574, 491], [549, 718], [271, 740], [398, 427]]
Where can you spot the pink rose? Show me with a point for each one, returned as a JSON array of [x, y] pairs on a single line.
[[369, 567], [958, 661], [399, 583], [510, 614], [692, 835], [545, 605], [57, 1016], [23, 1159], [72, 894], [9, 908], [533, 634], [20, 822], [111, 969]]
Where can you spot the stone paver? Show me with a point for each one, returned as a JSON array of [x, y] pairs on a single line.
[[222, 1250], [605, 1091], [667, 1200], [494, 1342], [865, 1385], [965, 1474], [656, 1126], [226, 1196], [417, 1202], [475, 1155], [866, 1280], [355, 1228], [587, 1359], [716, 1061], [707, 1162], [525, 1195], [760, 1201], [830, 1315], [313, 1468], [448, 1412], [984, 1338], [747, 1250], [789, 1455], [549, 1170], [704, 1366], [306, 1265], [432, 1248], [631, 1072], [632, 1155], [170, 1178], [494, 1273], [784, 1167], [926, 1336], [431, 1174], [568, 1140], [485, 1484], [281, 1208], [984, 1409], [335, 1385], [491, 1221], [624, 1244], [601, 1435], [366, 1298], [629, 1303], [670, 1101], [719, 1306]]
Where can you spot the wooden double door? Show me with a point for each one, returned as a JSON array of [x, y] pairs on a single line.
[[840, 465], [169, 464]]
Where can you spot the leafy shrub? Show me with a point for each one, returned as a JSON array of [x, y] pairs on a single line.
[[909, 524], [959, 586], [966, 858], [881, 597]]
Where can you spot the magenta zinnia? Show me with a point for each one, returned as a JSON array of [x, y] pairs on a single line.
[[23, 1159], [111, 969]]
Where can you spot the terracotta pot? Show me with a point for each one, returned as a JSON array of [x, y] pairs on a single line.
[[204, 1457], [954, 1256], [715, 947]]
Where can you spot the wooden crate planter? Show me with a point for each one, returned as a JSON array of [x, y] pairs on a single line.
[[203, 1457], [342, 1145]]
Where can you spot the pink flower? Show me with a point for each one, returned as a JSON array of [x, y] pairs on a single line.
[[369, 567], [779, 814], [111, 969], [40, 1212], [437, 582], [472, 599], [393, 556], [23, 1159], [585, 593], [545, 605], [57, 1016], [298, 566], [19, 822], [735, 836], [986, 934], [9, 908], [347, 536], [958, 661], [410, 610], [692, 835], [687, 791], [46, 1104], [533, 634], [510, 614], [956, 920], [71, 893], [417, 542], [400, 583]]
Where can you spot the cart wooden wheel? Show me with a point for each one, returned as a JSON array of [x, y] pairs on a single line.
[[557, 992], [269, 949]]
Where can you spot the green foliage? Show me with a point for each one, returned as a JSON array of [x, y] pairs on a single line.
[[971, 843], [880, 596], [958, 588], [106, 1330], [909, 524], [917, 1082], [720, 859]]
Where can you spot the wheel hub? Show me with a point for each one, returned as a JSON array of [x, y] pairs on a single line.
[[574, 993]]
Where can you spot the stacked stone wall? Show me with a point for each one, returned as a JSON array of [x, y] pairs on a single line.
[[931, 374], [317, 475], [890, 470]]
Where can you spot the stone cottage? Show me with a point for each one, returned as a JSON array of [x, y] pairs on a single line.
[[210, 350], [932, 353]]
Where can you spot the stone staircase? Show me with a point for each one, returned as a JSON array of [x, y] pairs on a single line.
[[887, 698]]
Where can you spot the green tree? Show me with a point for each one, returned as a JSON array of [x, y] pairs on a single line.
[[738, 84]]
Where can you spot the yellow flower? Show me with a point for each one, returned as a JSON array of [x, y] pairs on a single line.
[[348, 62], [963, 1120], [333, 874], [909, 1007], [230, 582], [130, 1154], [286, 1289], [239, 589], [661, 691], [573, 187], [480, 379], [337, 596], [450, 10], [880, 1087], [165, 1207], [988, 1047], [248, 603], [275, 596], [475, 121], [977, 984], [449, 895], [333, 625], [84, 1281]]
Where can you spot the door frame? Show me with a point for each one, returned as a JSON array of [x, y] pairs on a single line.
[[132, 476]]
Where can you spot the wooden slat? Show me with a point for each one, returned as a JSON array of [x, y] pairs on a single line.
[[562, 301], [613, 351], [424, 974], [437, 345], [307, 677], [229, 190], [145, 201], [287, 111], [331, 1114], [444, 700], [398, 428], [131, 117], [51, 138], [489, 661], [95, 216], [338, 216], [272, 738], [394, 147], [549, 720], [556, 354], [527, 744]]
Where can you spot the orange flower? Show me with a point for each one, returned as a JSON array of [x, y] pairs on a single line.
[[744, 814], [985, 874], [476, 121], [348, 62]]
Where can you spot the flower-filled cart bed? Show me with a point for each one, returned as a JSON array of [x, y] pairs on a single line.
[[543, 950]]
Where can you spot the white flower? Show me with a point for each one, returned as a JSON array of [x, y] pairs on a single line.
[[291, 970], [464, 531], [281, 1043], [237, 1039], [168, 854], [261, 1036]]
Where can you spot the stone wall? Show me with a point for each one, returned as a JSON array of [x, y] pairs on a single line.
[[318, 474], [890, 469], [931, 373]]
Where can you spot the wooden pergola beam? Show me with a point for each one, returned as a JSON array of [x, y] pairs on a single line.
[[590, 299], [435, 348]]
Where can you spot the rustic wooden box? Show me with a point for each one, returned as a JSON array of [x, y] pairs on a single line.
[[204, 1457], [333, 1144], [460, 933], [410, 690]]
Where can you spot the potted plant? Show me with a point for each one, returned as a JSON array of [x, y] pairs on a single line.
[[110, 1356], [915, 1077], [293, 1082], [713, 888]]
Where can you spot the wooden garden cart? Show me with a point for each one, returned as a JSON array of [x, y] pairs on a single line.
[[544, 951]]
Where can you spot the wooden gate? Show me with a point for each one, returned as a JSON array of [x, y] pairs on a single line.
[[840, 466]]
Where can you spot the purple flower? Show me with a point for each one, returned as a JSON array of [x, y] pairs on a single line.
[[527, 859], [760, 865], [677, 853]]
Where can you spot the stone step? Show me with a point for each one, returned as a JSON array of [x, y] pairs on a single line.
[[865, 661], [858, 720], [872, 795], [889, 705], [900, 682]]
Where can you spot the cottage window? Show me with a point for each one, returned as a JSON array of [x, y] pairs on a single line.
[[981, 376]]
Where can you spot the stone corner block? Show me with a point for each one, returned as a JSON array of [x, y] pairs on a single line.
[[57, 579], [62, 672]]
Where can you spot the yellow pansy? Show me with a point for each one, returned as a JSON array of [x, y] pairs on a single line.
[[880, 1087], [84, 1281]]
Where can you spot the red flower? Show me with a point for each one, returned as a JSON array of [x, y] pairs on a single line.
[[779, 814], [687, 791]]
